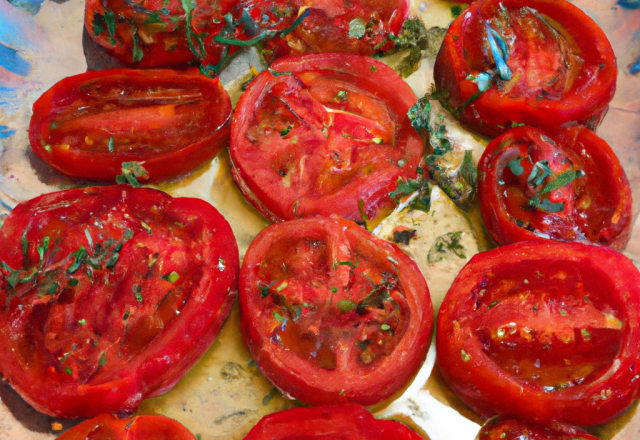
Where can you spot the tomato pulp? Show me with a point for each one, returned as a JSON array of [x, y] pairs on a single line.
[[545, 64], [543, 331], [108, 427], [323, 134], [171, 122], [109, 294], [333, 314], [329, 422], [566, 185], [499, 428]]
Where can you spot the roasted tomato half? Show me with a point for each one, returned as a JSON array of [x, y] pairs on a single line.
[[170, 122], [329, 422], [361, 26], [108, 295], [566, 185], [333, 314], [322, 134], [154, 33], [545, 64], [544, 331], [108, 427], [501, 428]]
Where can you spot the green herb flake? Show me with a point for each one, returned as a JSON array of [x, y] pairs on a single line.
[[585, 333], [278, 317], [334, 289], [456, 10], [25, 248], [374, 69], [131, 172], [264, 290], [137, 291], [286, 131], [385, 327], [562, 180], [341, 96], [69, 371], [493, 304], [126, 315], [465, 356], [269, 397], [110, 145], [146, 226], [171, 277], [53, 288], [43, 247], [546, 205], [357, 28], [345, 305], [349, 263], [420, 114], [103, 359], [82, 321], [515, 166], [341, 392], [446, 244], [563, 313]]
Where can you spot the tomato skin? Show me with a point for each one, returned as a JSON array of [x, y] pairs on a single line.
[[290, 166], [152, 33], [109, 427], [515, 313], [106, 322], [170, 121], [306, 321], [581, 95], [329, 422], [597, 206], [499, 428]]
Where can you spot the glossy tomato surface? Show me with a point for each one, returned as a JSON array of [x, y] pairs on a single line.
[[108, 295], [566, 185], [155, 33], [333, 314], [544, 64], [329, 422], [170, 121], [323, 134], [543, 331], [148, 427], [501, 428], [361, 26]]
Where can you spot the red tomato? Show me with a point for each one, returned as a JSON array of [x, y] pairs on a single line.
[[544, 331], [108, 427], [500, 428], [567, 185], [329, 422], [153, 33], [108, 295], [89, 124], [322, 134], [359, 26], [333, 314], [544, 64]]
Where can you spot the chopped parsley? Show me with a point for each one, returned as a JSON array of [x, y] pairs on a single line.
[[171, 277]]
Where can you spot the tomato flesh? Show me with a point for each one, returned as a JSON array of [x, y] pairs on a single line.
[[565, 185], [543, 331], [328, 422], [320, 136], [545, 64], [98, 289], [108, 427], [340, 308], [504, 427], [89, 124]]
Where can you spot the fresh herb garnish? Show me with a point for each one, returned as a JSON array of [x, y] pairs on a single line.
[[171, 277], [515, 166], [131, 172], [345, 305], [357, 28]]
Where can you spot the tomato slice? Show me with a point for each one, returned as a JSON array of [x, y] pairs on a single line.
[[89, 124], [499, 428], [109, 294], [155, 33], [322, 134], [545, 64], [543, 331], [329, 422], [360, 26], [108, 427], [333, 314], [566, 185]]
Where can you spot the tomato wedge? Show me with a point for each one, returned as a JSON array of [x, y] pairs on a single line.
[[544, 64], [329, 422], [322, 134], [333, 314], [360, 26], [170, 121], [108, 427], [566, 185], [108, 295], [499, 428], [154, 33], [544, 331]]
